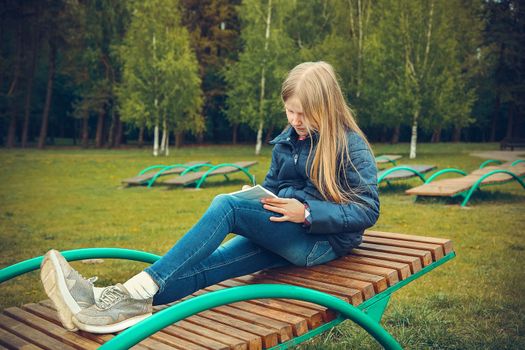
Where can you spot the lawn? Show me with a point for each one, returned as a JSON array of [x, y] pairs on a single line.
[[68, 198]]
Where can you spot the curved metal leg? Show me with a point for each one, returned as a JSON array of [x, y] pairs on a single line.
[[479, 182]]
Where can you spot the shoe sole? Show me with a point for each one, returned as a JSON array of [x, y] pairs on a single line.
[[56, 289], [112, 328]]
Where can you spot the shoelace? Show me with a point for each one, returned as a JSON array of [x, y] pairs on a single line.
[[109, 297]]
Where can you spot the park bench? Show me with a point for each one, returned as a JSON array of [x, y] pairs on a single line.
[[465, 186], [403, 172], [512, 143], [198, 178], [275, 308], [387, 158], [150, 174]]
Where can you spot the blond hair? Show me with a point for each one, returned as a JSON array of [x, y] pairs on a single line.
[[326, 112]]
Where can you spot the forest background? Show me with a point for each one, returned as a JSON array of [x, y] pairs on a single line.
[[108, 73]]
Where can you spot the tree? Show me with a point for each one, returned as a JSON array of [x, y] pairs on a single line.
[[161, 85], [254, 81]]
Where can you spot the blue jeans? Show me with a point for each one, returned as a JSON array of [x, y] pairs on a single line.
[[198, 260]]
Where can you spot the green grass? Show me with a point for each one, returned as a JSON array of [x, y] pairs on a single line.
[[67, 198]]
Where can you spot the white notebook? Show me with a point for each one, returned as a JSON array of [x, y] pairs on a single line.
[[254, 193]]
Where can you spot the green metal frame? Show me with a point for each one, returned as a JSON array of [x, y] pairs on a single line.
[[393, 161], [444, 171], [490, 161], [480, 180], [208, 173], [398, 168], [368, 314], [517, 161], [187, 169], [78, 254]]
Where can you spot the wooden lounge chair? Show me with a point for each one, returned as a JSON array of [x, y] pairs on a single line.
[[199, 177], [402, 172], [467, 185], [272, 309], [148, 175], [388, 158]]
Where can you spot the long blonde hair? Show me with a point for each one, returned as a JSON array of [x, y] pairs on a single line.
[[327, 113]]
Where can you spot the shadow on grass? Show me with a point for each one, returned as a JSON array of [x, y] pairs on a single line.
[[479, 197], [397, 187]]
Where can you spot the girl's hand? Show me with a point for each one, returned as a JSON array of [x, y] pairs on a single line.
[[291, 209], [245, 187]]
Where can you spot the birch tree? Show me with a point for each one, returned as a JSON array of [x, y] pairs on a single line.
[[161, 84], [254, 81]]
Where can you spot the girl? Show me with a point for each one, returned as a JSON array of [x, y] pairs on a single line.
[[324, 175]]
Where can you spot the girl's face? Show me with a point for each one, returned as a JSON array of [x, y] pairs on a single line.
[[295, 115]]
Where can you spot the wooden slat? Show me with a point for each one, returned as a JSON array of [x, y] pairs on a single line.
[[435, 249], [233, 342], [269, 337], [348, 294], [175, 342], [423, 255], [51, 329], [378, 282], [313, 318], [253, 341], [366, 288], [186, 335], [299, 325], [45, 309], [445, 243], [412, 261], [328, 315], [403, 269], [284, 329], [26, 332], [390, 275], [12, 341]]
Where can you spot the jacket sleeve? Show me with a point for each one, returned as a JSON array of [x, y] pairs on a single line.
[[271, 182], [329, 218]]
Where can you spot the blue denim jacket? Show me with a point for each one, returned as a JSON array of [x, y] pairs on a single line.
[[343, 223]]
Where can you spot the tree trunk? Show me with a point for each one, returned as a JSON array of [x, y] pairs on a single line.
[[13, 87], [495, 118], [100, 129], [258, 144], [141, 136], [118, 135], [395, 135], [29, 92], [235, 128], [49, 95], [156, 141], [436, 135], [179, 139], [85, 129], [11, 131], [510, 122], [456, 134], [413, 138], [164, 136]]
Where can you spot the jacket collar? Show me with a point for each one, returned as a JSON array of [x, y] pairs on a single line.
[[289, 135]]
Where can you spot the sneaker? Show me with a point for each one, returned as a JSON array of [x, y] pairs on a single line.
[[114, 311], [67, 289]]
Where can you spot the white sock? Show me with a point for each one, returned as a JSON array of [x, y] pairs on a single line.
[[141, 286]]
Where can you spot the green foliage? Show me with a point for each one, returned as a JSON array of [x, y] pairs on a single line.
[[244, 76], [160, 70]]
